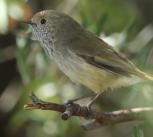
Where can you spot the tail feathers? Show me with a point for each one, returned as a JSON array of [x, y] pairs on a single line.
[[144, 75]]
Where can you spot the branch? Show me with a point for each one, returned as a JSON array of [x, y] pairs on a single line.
[[98, 118]]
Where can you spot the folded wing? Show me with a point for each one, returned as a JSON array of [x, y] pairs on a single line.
[[101, 55]]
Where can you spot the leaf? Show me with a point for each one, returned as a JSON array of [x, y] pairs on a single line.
[[137, 132]]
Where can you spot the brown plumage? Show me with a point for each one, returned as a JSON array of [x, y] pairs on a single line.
[[81, 55]]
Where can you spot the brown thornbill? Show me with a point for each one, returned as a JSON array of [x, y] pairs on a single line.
[[81, 55]]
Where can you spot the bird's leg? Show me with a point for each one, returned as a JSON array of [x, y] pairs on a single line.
[[90, 103], [80, 98]]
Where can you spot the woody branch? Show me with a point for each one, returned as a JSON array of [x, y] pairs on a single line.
[[98, 118]]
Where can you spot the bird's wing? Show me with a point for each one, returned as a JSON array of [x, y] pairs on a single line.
[[101, 55]]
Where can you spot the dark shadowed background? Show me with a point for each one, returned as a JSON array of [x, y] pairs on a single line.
[[125, 24]]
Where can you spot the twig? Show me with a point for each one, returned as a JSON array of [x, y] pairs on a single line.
[[98, 118]]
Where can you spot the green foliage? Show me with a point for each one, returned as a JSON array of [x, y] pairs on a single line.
[[137, 132]]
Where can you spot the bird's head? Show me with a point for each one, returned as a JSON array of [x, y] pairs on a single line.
[[51, 24]]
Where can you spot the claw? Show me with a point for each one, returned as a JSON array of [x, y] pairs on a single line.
[[90, 103], [68, 102], [89, 107]]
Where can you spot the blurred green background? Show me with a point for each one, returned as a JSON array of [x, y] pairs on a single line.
[[125, 24]]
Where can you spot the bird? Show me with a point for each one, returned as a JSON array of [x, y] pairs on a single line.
[[81, 55]]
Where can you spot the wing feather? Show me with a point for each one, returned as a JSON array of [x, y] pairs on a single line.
[[101, 55]]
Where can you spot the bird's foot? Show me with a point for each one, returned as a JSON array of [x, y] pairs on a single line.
[[79, 98], [90, 103], [88, 106]]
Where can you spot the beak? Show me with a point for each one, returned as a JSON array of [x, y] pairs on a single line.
[[29, 22]]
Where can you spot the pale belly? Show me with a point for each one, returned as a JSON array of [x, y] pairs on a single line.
[[81, 72]]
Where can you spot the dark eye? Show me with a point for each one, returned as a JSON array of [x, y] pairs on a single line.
[[43, 21]]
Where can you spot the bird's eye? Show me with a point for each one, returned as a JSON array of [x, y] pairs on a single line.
[[43, 21]]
